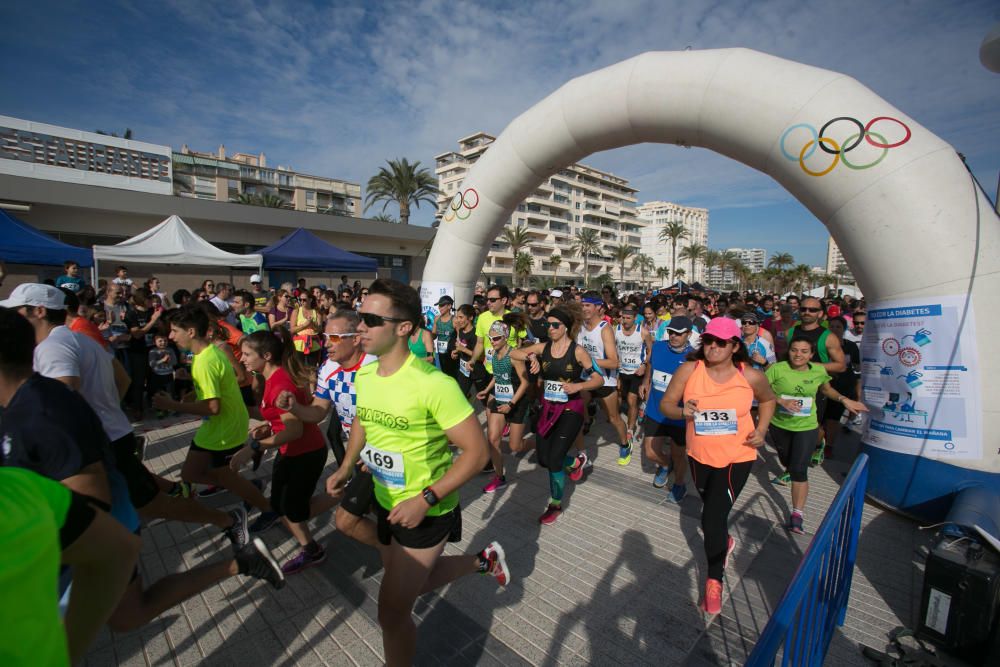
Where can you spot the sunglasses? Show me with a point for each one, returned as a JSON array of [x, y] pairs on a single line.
[[496, 339], [805, 309], [532, 305], [749, 323], [553, 325], [709, 340], [336, 338], [372, 320], [493, 299]]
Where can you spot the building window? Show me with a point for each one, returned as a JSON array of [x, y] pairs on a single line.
[[576, 218]]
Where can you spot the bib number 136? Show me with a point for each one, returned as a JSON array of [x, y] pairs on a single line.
[[386, 467]]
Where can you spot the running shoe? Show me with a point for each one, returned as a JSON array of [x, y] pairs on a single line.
[[712, 602], [730, 546], [795, 524], [210, 491], [677, 493], [494, 555], [255, 560], [180, 489], [506, 430], [238, 533], [624, 455], [629, 436], [582, 461], [495, 484], [304, 561], [661, 477], [818, 456], [264, 521], [551, 515], [784, 479], [259, 483]]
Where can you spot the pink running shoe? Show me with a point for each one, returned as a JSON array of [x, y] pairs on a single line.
[[712, 603], [494, 554], [582, 461], [551, 515], [495, 484]]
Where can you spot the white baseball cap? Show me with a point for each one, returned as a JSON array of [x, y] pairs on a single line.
[[557, 293], [36, 294], [255, 278]]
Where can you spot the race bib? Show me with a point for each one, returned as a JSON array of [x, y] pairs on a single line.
[[387, 467], [441, 345], [715, 422], [554, 392], [804, 404], [660, 380], [464, 367], [489, 357], [630, 364], [504, 393]]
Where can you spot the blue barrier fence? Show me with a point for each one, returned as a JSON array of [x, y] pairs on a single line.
[[816, 599]]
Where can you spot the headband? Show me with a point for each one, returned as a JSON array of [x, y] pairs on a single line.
[[562, 316], [594, 300]]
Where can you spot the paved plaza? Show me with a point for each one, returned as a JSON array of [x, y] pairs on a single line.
[[614, 582]]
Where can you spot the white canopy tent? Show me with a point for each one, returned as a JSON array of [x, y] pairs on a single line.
[[172, 242], [848, 290]]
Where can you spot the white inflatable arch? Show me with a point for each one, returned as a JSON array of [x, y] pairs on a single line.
[[896, 198]]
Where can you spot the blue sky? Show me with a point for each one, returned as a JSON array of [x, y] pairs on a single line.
[[335, 88]]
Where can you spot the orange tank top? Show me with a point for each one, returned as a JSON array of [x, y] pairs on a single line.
[[717, 435]]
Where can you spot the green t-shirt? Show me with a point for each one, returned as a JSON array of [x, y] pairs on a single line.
[[405, 416], [214, 377], [801, 385], [33, 510], [483, 324]]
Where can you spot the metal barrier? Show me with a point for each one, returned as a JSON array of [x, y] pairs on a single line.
[[816, 599]]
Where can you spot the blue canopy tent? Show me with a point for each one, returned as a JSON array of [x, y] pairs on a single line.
[[20, 243], [304, 251]]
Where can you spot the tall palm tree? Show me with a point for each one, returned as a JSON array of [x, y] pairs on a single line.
[[586, 242], [643, 264], [712, 260], [516, 238], [729, 261], [693, 252], [621, 253], [384, 217], [663, 273], [803, 275], [679, 274], [404, 183], [556, 260], [673, 232], [781, 260], [523, 263]]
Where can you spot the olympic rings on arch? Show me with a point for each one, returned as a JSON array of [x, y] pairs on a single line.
[[460, 206], [831, 147]]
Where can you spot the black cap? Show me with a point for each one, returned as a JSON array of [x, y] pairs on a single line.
[[445, 299], [679, 323]]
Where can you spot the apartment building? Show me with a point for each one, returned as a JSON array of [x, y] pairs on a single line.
[[835, 259], [656, 215], [577, 197], [723, 277], [219, 177]]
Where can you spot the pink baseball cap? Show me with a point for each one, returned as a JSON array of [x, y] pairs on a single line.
[[723, 328]]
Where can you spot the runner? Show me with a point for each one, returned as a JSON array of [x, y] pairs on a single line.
[[305, 326], [794, 426], [631, 343], [301, 450], [405, 435], [421, 343], [759, 349], [561, 363], [666, 357], [335, 386], [847, 383], [461, 347], [713, 394], [597, 337], [250, 319], [443, 326], [507, 404]]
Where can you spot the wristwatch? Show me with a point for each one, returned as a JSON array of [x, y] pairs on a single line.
[[430, 497]]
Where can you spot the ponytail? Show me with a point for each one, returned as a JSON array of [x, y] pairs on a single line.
[[516, 321], [278, 344]]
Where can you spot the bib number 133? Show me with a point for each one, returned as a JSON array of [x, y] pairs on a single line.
[[715, 422], [386, 467]]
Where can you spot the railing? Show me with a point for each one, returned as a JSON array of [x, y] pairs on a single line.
[[816, 599]]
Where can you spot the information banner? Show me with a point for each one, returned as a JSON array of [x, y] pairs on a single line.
[[920, 378]]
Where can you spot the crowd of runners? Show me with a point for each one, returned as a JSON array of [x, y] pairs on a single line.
[[695, 383]]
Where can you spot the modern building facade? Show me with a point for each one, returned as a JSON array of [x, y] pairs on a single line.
[[656, 215], [576, 198], [753, 258], [835, 262]]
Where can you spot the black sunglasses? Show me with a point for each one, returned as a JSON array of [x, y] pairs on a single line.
[[372, 320], [748, 323], [553, 325], [708, 339], [491, 299], [810, 310]]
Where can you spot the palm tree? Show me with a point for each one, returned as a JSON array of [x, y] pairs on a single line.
[[384, 217], [694, 252], [803, 275], [516, 238], [673, 232], [404, 183], [712, 260], [621, 253], [729, 261], [679, 274], [556, 260], [663, 273], [643, 264], [269, 200], [586, 242], [247, 198], [523, 263], [780, 260]]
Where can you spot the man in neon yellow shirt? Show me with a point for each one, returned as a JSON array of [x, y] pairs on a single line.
[[497, 298], [407, 413]]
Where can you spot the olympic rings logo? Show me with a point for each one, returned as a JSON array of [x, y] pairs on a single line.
[[839, 152], [461, 205]]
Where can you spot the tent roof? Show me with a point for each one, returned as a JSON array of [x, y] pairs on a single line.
[[23, 244], [303, 250], [173, 242]]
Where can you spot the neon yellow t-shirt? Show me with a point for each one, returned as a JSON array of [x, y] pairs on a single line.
[[214, 377], [405, 416], [33, 510], [483, 324]]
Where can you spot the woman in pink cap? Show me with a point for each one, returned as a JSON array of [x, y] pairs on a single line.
[[714, 393]]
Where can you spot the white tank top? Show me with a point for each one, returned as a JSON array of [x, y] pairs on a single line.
[[631, 350], [592, 342]]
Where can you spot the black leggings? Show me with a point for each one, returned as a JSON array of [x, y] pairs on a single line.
[[335, 435], [795, 450], [718, 488], [554, 445]]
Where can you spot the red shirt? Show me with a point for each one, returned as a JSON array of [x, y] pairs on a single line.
[[312, 438], [88, 329]]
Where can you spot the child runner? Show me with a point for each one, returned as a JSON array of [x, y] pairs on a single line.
[[162, 361]]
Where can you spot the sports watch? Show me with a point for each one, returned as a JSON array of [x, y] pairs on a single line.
[[430, 497]]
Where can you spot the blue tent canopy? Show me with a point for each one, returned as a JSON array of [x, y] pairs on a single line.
[[20, 243], [304, 251]]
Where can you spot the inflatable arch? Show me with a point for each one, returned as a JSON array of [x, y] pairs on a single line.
[[921, 239]]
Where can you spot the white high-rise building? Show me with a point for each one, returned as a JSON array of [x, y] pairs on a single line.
[[657, 214], [753, 258], [577, 197], [834, 259]]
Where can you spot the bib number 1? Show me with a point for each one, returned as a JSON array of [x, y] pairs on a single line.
[[386, 467], [716, 422]]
